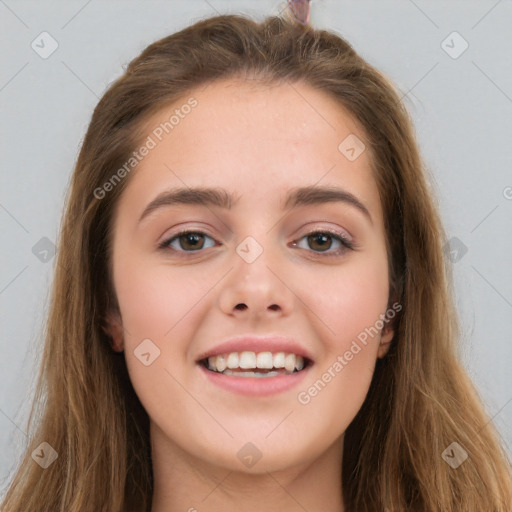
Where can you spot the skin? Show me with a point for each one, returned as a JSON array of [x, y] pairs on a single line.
[[256, 142]]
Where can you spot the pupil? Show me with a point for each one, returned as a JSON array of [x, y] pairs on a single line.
[[321, 238], [192, 238]]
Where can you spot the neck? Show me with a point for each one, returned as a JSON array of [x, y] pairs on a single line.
[[183, 483]]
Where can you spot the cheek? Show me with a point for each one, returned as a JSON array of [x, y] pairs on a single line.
[[352, 305], [337, 392], [162, 304], [157, 303], [348, 299], [154, 298]]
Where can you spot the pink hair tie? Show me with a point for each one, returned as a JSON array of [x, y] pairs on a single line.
[[300, 10]]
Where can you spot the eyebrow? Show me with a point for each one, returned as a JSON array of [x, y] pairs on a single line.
[[299, 196]]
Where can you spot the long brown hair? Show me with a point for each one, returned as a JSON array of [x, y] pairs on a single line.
[[420, 400]]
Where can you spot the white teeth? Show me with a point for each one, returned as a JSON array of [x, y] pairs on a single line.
[[251, 374], [248, 360], [278, 360], [289, 362], [232, 360], [221, 363], [264, 361]]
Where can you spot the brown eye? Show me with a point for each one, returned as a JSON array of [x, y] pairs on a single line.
[[191, 241], [187, 241], [322, 241]]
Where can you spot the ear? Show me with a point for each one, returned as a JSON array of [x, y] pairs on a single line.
[[386, 337], [388, 331], [113, 327]]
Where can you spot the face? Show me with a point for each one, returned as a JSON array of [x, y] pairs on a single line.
[[273, 272]]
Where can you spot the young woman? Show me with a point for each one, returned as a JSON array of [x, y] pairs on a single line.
[[251, 308]]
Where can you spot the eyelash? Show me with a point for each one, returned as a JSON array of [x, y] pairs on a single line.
[[346, 244]]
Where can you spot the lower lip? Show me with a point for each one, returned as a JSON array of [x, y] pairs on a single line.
[[255, 386]]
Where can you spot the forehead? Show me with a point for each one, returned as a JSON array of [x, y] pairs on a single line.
[[250, 137], [235, 111]]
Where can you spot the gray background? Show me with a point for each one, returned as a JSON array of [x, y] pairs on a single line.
[[462, 109]]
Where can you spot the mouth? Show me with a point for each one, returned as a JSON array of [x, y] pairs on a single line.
[[256, 364]]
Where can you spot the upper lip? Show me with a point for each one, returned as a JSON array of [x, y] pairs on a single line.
[[257, 344]]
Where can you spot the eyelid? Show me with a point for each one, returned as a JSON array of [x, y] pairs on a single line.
[[164, 244], [318, 226]]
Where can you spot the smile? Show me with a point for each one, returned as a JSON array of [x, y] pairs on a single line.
[[255, 373], [252, 364]]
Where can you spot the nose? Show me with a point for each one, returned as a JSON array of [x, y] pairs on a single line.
[[256, 289]]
